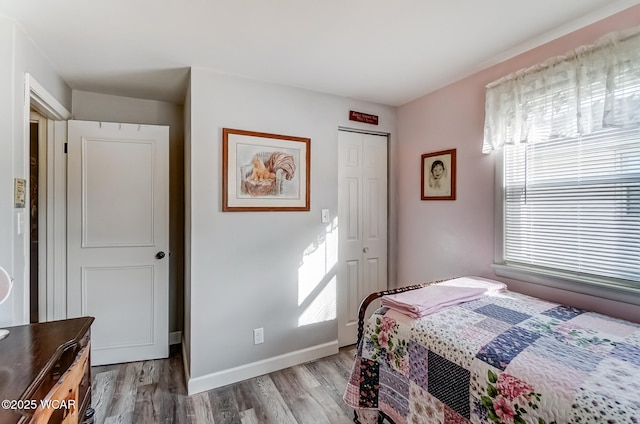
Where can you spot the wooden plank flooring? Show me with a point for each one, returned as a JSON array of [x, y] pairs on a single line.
[[154, 392]]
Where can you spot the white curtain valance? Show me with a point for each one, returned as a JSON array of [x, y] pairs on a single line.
[[586, 90]]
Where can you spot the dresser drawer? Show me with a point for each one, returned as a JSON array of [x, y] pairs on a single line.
[[38, 356]]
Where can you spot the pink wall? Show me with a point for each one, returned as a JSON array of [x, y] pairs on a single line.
[[440, 239]]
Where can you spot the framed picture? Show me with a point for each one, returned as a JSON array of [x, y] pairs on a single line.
[[439, 175], [264, 172]]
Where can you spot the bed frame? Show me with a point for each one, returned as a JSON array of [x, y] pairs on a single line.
[[362, 311]]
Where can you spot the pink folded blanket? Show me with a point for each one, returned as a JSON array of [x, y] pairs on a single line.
[[427, 300], [491, 286]]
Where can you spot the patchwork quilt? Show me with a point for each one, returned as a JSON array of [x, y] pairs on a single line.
[[506, 358]]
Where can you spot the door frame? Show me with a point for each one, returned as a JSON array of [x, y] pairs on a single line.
[[54, 300]]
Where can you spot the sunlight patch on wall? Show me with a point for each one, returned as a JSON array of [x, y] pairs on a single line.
[[317, 278], [322, 307]]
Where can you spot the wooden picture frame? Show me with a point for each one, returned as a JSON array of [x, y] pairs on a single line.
[[438, 175], [265, 172]]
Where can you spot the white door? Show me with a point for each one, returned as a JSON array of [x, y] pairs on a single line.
[[362, 225], [118, 236]]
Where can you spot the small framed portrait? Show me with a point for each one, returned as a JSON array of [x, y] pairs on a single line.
[[439, 175]]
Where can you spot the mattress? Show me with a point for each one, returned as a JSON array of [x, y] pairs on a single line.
[[504, 358]]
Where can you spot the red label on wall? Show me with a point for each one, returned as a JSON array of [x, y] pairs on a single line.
[[363, 117]]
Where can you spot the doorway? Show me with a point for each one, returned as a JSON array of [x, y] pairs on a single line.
[[37, 216], [362, 223], [46, 266]]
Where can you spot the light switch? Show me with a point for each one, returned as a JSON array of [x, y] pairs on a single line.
[[325, 216], [20, 222]]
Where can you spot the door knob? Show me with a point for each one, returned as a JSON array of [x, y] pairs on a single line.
[[160, 255], [365, 250]]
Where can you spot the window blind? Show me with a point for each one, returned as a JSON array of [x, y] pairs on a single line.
[[572, 205]]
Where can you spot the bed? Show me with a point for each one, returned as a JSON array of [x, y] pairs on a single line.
[[502, 358]]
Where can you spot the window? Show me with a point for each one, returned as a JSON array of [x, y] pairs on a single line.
[[572, 206], [570, 134]]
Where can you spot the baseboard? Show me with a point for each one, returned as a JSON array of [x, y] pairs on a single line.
[[255, 369], [175, 337]]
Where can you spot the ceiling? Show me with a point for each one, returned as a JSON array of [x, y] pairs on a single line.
[[388, 52]]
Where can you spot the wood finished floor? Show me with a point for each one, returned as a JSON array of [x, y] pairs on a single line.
[[154, 392]]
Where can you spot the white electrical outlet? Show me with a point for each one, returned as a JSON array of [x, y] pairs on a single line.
[[258, 336]]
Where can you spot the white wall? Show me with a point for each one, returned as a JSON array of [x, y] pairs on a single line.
[[18, 55], [6, 158], [107, 108], [440, 239], [244, 265]]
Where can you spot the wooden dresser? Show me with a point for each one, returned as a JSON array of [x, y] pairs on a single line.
[[33, 358]]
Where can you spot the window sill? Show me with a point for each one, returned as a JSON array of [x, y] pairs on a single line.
[[605, 290]]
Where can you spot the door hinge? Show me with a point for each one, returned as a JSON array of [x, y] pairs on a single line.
[[65, 147]]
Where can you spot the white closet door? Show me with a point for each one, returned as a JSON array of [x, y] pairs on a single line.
[[362, 225]]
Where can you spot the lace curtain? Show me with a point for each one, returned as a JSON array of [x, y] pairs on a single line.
[[589, 89]]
